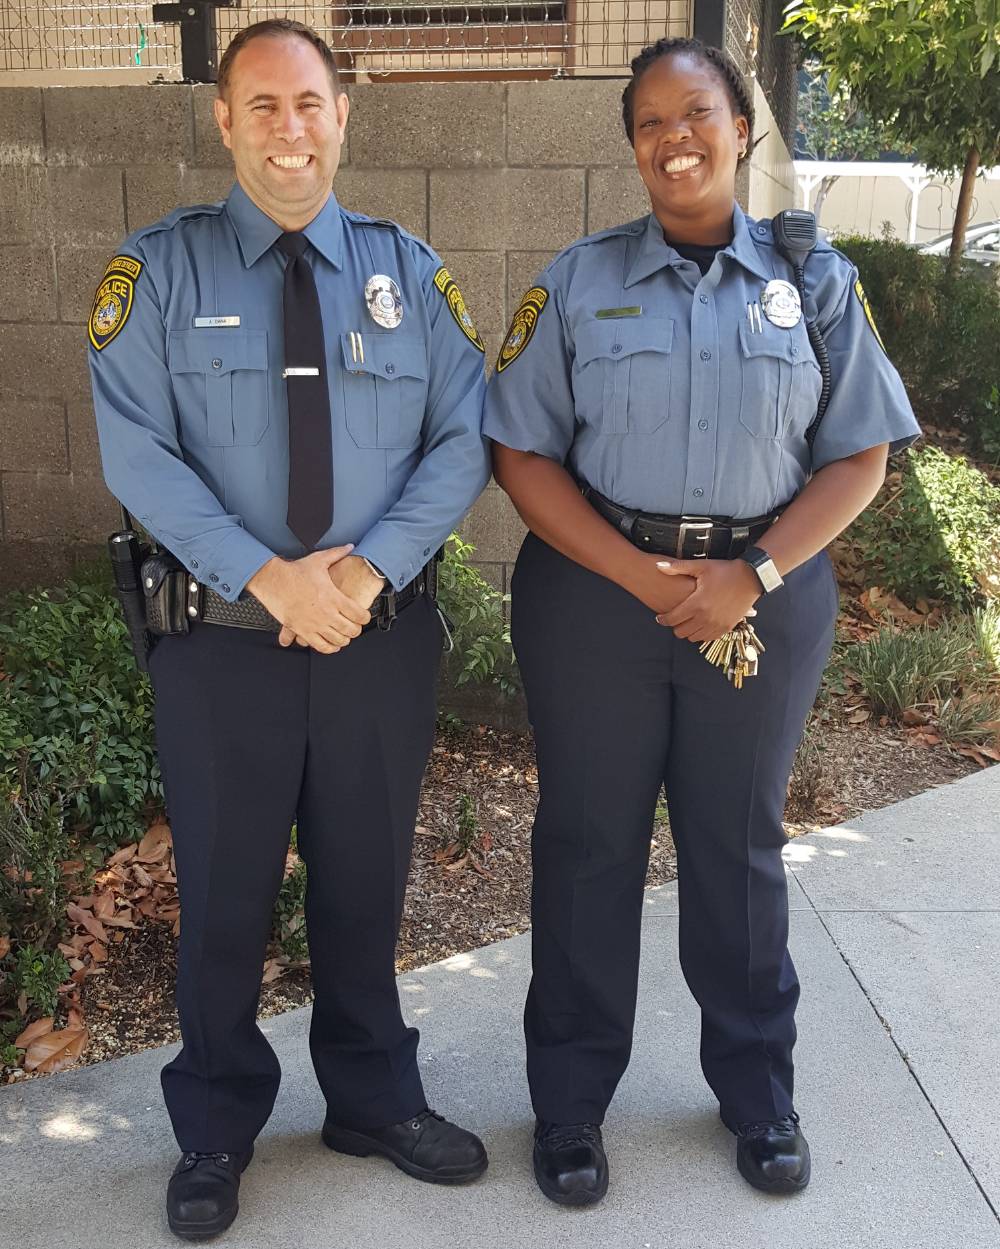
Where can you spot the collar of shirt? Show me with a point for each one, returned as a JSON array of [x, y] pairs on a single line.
[[257, 232], [655, 253]]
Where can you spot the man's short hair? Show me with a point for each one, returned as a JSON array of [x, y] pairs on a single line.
[[272, 28]]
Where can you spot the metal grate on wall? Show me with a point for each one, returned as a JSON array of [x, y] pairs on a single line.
[[393, 37]]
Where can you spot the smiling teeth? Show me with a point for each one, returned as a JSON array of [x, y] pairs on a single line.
[[680, 163], [291, 162]]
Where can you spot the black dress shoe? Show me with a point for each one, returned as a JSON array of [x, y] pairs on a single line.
[[427, 1147], [571, 1166], [774, 1155], [203, 1193]]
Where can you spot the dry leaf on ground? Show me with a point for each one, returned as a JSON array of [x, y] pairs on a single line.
[[33, 1031], [56, 1050]]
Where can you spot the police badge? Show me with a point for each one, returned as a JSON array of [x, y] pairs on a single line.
[[385, 303], [781, 304]]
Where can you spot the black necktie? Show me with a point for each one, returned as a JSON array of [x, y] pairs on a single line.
[[310, 450]]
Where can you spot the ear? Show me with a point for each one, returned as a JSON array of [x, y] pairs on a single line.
[[343, 107], [222, 120], [742, 136]]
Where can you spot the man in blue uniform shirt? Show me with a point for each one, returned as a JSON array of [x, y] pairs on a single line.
[[289, 398]]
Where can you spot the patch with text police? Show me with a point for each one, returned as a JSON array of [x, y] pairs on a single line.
[[456, 305], [114, 299], [522, 326], [859, 290]]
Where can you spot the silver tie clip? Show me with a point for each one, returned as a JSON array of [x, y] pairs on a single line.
[[300, 372]]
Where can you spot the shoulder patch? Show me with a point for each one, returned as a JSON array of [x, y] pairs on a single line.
[[522, 327], [456, 306], [859, 290], [113, 301]]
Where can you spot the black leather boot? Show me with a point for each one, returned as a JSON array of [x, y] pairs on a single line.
[[571, 1166], [203, 1193], [427, 1147], [772, 1155]]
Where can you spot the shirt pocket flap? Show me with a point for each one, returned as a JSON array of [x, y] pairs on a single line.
[[625, 336], [385, 355], [216, 351], [779, 344]]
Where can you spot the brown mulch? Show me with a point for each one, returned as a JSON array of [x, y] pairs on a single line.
[[469, 883]]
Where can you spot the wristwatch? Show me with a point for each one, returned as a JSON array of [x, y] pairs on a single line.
[[763, 566]]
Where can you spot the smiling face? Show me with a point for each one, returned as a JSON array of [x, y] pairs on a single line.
[[284, 123], [687, 138]]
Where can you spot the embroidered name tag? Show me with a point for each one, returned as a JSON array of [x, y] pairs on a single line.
[[612, 314]]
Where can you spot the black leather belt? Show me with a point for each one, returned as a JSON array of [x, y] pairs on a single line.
[[250, 613], [684, 537]]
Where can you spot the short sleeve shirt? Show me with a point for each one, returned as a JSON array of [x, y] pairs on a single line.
[[670, 391]]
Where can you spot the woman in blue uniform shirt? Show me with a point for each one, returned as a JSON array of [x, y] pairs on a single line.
[[649, 413]]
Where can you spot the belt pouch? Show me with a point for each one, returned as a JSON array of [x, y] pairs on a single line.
[[164, 585]]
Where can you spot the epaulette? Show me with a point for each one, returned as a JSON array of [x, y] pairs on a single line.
[[179, 214]]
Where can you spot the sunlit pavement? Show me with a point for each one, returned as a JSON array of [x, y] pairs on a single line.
[[896, 936]]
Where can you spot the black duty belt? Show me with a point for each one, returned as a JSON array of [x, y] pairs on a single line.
[[250, 613], [684, 537]]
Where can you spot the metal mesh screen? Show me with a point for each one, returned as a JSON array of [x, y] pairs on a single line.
[[398, 37], [753, 41]]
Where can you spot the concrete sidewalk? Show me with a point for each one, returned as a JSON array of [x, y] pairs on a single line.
[[896, 935]]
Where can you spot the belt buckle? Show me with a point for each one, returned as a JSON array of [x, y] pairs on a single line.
[[701, 526]]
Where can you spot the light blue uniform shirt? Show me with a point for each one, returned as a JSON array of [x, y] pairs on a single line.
[[683, 408], [193, 419]]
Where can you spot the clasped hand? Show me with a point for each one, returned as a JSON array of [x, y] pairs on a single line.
[[724, 593], [322, 600]]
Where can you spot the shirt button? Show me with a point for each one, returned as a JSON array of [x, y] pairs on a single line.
[[616, 348], [698, 493], [390, 368], [706, 355], [401, 582], [703, 424], [225, 587], [427, 550], [795, 351], [194, 563], [216, 363], [212, 577], [762, 229], [703, 298]]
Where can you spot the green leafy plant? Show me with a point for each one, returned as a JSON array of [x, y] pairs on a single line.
[[37, 975], [937, 535], [903, 670], [940, 331], [481, 635], [289, 925], [75, 714]]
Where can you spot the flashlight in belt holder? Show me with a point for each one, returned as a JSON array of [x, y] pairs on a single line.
[[127, 554]]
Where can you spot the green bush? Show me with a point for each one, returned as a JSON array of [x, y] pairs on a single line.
[[900, 670], [75, 714], [941, 333], [938, 535], [483, 650]]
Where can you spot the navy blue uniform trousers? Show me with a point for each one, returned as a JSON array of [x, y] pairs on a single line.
[[251, 738], [621, 707]]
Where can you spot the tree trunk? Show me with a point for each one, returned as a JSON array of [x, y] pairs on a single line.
[[964, 210], [825, 187]]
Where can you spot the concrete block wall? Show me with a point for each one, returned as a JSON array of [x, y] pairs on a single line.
[[498, 177]]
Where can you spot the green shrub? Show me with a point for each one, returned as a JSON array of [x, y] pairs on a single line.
[[481, 635], [75, 714], [37, 975], [914, 668], [938, 536], [941, 333]]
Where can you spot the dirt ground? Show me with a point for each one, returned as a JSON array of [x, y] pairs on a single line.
[[471, 875]]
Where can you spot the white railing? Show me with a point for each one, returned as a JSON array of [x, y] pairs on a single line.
[[810, 173]]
